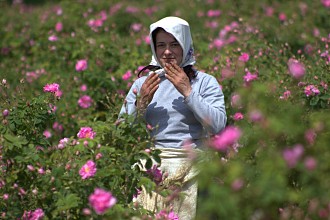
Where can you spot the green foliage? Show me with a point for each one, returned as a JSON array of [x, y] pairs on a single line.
[[54, 183]]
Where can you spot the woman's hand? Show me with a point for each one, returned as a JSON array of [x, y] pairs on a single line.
[[178, 78], [147, 91]]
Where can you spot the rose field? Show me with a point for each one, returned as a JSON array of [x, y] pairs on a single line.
[[65, 69]]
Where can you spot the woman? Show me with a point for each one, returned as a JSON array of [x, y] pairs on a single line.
[[183, 105]]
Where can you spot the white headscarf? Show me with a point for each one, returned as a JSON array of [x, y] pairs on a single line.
[[180, 29]]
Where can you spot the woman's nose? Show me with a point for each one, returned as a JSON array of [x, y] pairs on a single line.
[[168, 50]]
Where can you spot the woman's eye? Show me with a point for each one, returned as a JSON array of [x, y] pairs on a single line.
[[160, 45]]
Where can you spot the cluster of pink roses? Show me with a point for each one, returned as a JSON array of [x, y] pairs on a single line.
[[53, 88], [37, 214]]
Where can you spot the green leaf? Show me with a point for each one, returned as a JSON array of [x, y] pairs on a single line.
[[148, 163], [314, 101], [67, 202], [325, 97]]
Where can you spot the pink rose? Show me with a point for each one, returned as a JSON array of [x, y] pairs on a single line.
[[292, 155], [47, 134], [81, 65], [310, 163], [296, 69], [155, 174], [229, 136], [88, 170], [326, 3], [85, 101], [101, 200], [311, 90], [238, 116], [54, 87], [53, 38], [59, 26], [250, 77], [244, 57], [86, 132], [127, 75], [5, 113], [163, 214]]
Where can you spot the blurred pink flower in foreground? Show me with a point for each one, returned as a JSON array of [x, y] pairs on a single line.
[[292, 155], [59, 26], [244, 57], [326, 3], [229, 136], [88, 170], [101, 200], [162, 214], [85, 101], [86, 132], [311, 90], [187, 146], [54, 87], [81, 65], [296, 69]]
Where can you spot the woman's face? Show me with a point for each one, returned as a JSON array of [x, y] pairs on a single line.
[[168, 49]]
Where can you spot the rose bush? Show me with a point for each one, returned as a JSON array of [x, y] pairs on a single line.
[[65, 70]]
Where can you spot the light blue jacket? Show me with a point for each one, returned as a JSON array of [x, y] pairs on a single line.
[[176, 119]]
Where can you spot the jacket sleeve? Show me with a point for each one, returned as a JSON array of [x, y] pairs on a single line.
[[208, 105]]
